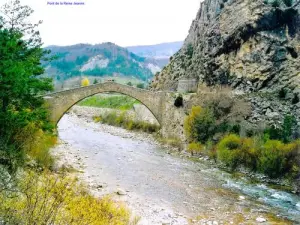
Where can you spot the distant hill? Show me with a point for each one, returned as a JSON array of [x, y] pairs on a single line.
[[99, 60], [164, 50]]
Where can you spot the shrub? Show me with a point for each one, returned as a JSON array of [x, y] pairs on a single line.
[[129, 83], [199, 126], [190, 50], [36, 144], [283, 133], [289, 123], [276, 158], [57, 199], [194, 148], [85, 82], [190, 121], [228, 150], [295, 99], [123, 120], [282, 93], [140, 85]]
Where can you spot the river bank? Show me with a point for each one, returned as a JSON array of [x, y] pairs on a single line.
[[162, 188]]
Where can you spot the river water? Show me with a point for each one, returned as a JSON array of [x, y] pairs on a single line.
[[164, 188]]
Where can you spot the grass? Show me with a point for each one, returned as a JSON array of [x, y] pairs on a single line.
[[127, 122], [121, 102]]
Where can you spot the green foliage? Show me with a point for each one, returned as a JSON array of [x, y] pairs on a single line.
[[271, 157], [121, 102], [295, 99], [120, 61], [276, 158], [190, 50], [282, 93], [228, 150], [95, 81], [140, 85], [199, 126], [129, 83], [283, 133], [20, 81]]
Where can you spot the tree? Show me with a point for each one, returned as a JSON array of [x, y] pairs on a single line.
[[85, 82], [95, 81], [129, 83], [21, 54]]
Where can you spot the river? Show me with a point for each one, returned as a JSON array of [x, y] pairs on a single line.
[[164, 188]]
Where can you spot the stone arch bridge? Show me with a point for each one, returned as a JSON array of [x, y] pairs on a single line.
[[60, 102]]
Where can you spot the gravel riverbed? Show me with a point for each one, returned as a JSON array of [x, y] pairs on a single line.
[[158, 187]]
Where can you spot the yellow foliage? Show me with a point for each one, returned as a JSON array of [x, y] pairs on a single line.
[[36, 144], [57, 199], [194, 148], [97, 119], [85, 82], [190, 121]]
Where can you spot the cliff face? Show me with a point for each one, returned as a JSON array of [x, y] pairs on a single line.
[[253, 46]]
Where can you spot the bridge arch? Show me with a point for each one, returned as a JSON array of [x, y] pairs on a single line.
[[60, 102]]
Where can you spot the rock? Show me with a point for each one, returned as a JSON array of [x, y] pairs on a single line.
[[261, 220], [242, 198], [240, 44], [121, 192]]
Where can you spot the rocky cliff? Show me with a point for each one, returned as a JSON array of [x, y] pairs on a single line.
[[252, 46]]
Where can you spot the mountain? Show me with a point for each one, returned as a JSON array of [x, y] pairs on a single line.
[[98, 60], [156, 51], [159, 53]]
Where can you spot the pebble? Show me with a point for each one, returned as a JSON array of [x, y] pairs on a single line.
[[121, 192]]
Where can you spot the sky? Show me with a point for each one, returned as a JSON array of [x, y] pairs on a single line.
[[124, 22]]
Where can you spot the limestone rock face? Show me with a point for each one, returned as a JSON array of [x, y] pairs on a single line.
[[250, 45]]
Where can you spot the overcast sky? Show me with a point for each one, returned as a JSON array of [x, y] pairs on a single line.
[[124, 22]]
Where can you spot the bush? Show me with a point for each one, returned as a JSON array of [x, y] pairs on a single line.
[[276, 158], [129, 83], [199, 126], [140, 85], [295, 99], [194, 148], [228, 150], [85, 82], [122, 120], [283, 133], [36, 144], [282, 93], [57, 199]]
